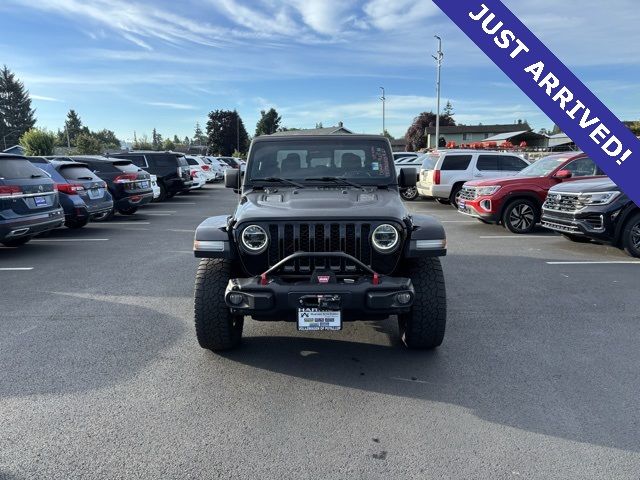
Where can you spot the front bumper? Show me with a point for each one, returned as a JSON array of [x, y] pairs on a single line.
[[360, 296], [597, 223], [478, 208]]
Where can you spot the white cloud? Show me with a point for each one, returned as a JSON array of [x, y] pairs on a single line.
[[42, 98], [175, 106], [386, 15]]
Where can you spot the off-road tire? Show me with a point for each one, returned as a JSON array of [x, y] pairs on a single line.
[[16, 242], [127, 211], [409, 194], [75, 224], [216, 328], [521, 216], [423, 327], [629, 236], [576, 238]]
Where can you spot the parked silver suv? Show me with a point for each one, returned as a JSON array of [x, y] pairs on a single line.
[[443, 173]]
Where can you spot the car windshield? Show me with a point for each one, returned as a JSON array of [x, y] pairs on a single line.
[[543, 167], [361, 161]]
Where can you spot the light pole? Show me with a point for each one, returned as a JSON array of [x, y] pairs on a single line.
[[439, 56], [383, 98]]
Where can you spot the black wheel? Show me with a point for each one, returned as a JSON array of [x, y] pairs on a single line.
[[16, 242], [75, 223], [576, 238], [217, 328], [424, 326], [127, 211], [455, 196], [409, 194], [631, 236], [521, 216], [442, 201], [163, 192]]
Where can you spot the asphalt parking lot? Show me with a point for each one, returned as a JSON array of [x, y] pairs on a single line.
[[101, 375]]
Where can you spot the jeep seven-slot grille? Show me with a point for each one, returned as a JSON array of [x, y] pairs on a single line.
[[563, 202], [353, 238]]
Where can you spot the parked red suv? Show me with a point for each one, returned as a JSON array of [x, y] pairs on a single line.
[[516, 202]]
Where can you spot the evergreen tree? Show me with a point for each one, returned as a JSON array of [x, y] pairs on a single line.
[[73, 126], [225, 132], [269, 122], [16, 115], [186, 141], [448, 110], [199, 138], [156, 140], [176, 140]]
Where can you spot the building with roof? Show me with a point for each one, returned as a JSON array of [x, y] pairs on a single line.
[[462, 134], [337, 130]]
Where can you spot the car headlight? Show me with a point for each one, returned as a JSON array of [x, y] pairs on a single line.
[[483, 191], [254, 239], [598, 198], [385, 238]]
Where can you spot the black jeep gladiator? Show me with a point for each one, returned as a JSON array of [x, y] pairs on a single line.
[[320, 237]]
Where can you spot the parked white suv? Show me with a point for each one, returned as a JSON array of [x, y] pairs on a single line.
[[443, 173], [413, 161]]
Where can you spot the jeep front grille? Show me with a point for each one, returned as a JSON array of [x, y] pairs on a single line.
[[353, 238], [563, 202]]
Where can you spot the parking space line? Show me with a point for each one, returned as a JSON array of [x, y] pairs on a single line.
[[519, 236], [603, 262], [158, 214], [15, 269], [178, 204], [180, 231], [458, 221], [43, 240], [161, 211], [98, 224]]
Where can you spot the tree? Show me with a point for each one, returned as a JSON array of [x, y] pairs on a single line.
[[142, 143], [38, 143], [388, 135], [416, 137], [269, 122], [319, 125], [168, 145], [16, 115], [634, 127], [186, 141], [199, 138], [87, 144], [176, 140], [156, 140], [107, 139], [448, 110], [73, 126], [225, 132]]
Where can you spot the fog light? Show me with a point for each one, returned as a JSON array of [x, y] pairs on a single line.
[[403, 298], [236, 298]]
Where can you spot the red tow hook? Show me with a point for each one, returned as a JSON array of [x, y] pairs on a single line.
[[376, 279], [263, 279]]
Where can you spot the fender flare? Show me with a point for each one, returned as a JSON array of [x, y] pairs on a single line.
[[213, 240], [427, 237]]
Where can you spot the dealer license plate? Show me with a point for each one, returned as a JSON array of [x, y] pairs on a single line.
[[144, 184], [462, 204], [95, 193], [40, 201], [316, 319]]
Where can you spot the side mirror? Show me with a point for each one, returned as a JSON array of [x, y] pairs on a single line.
[[563, 174], [232, 178], [408, 178]]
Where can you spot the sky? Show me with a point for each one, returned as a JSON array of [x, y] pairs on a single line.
[[134, 65]]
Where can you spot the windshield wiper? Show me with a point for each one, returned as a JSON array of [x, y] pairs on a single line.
[[279, 180], [338, 180]]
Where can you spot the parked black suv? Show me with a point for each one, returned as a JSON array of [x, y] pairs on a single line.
[[593, 210], [28, 201], [171, 169], [320, 236], [129, 185]]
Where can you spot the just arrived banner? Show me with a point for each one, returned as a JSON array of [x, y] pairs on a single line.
[[551, 86]]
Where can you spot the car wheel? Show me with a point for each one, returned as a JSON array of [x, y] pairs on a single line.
[[409, 194], [631, 236], [520, 216], [127, 211], [163, 192], [442, 201], [455, 196], [424, 326], [75, 223], [576, 238], [16, 242], [217, 328]]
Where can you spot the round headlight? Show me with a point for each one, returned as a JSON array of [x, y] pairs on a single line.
[[385, 238], [254, 239]]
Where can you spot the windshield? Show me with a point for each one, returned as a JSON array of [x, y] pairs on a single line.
[[543, 167], [429, 161], [364, 161]]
